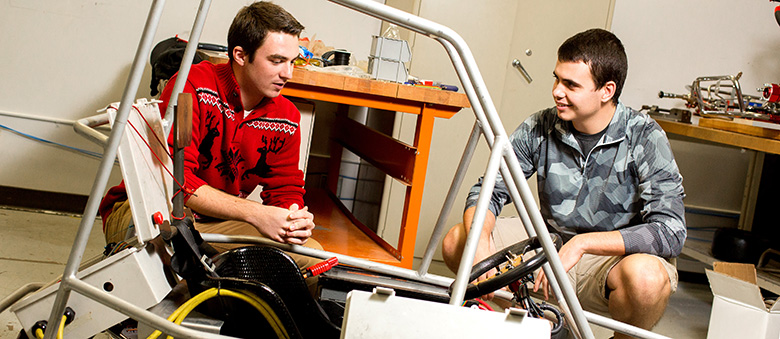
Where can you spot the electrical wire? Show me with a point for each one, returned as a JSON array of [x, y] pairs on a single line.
[[60, 331], [260, 305], [92, 154], [484, 304]]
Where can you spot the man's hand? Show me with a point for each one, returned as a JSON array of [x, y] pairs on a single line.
[[301, 225], [570, 254], [291, 226]]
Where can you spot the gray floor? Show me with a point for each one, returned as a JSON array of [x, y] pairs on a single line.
[[34, 248]]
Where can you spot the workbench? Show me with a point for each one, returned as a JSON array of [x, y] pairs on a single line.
[[337, 229], [761, 140]]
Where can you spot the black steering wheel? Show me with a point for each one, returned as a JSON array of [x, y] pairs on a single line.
[[510, 265]]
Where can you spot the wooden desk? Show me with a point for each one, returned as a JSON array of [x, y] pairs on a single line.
[[337, 230], [733, 134]]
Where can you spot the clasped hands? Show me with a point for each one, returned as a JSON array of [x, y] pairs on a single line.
[[290, 226]]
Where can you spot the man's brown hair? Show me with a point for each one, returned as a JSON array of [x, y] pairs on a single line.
[[252, 24]]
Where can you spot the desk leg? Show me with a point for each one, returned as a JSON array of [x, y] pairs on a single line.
[[414, 193], [750, 196]]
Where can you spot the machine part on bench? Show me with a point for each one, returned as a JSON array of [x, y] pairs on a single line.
[[722, 96], [674, 114]]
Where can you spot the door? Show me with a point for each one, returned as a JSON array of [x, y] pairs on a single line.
[[497, 31]]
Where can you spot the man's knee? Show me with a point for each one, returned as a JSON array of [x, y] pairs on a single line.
[[644, 277], [452, 246]]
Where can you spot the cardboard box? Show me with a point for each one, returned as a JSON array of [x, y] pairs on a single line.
[[738, 309]]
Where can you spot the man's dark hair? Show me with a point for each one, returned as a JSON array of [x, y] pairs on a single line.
[[603, 52], [252, 24]]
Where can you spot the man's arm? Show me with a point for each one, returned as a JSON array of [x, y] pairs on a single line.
[[663, 230], [292, 226], [596, 243], [485, 247]]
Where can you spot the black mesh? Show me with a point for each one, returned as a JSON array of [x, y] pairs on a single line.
[[277, 270]]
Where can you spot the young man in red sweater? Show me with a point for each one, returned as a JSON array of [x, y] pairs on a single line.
[[244, 135]]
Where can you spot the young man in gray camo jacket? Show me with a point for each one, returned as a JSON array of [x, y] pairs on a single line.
[[608, 184]]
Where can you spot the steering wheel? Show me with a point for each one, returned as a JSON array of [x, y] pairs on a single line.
[[510, 264]]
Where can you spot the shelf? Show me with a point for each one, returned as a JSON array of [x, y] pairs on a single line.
[[700, 250], [336, 232]]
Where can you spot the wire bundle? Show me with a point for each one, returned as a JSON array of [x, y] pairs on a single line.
[[178, 316]]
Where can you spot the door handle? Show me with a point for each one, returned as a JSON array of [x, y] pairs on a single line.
[[516, 63]]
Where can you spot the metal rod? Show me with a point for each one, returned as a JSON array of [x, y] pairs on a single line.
[[86, 127], [37, 118], [553, 259], [343, 259], [137, 313], [622, 328], [468, 87], [430, 28], [186, 63], [441, 227], [472, 241], [104, 170]]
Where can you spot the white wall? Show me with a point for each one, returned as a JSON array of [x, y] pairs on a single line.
[[64, 60], [669, 44]]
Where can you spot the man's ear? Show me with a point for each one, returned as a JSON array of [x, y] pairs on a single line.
[[608, 91], [239, 56]]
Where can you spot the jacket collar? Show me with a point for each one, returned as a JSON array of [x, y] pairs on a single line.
[[616, 130]]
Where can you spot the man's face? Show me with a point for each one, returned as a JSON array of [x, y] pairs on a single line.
[[272, 65], [575, 92]]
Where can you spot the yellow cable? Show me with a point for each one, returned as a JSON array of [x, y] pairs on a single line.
[[260, 305], [61, 330]]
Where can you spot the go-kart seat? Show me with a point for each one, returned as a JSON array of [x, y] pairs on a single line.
[[272, 267]]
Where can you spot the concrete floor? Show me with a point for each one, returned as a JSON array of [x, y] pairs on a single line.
[[34, 247]]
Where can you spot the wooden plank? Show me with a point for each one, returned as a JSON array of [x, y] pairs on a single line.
[[721, 136], [368, 86], [319, 79], [389, 155], [732, 126], [433, 96], [184, 120]]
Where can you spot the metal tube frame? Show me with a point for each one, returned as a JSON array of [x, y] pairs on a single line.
[[501, 159], [69, 280], [482, 104]]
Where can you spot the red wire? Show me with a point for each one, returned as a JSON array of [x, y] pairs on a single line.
[[155, 134], [484, 304], [181, 187]]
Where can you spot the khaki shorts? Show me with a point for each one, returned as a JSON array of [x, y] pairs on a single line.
[[589, 279], [119, 226]]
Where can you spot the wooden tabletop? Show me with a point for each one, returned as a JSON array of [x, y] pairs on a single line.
[[362, 86], [719, 133], [390, 90]]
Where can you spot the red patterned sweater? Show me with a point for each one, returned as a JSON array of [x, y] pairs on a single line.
[[230, 152]]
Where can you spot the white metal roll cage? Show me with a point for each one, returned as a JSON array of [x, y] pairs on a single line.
[[488, 123]]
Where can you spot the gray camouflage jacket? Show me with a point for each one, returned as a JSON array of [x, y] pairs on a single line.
[[629, 182]]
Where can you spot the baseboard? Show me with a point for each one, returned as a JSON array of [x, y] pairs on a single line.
[[35, 199]]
